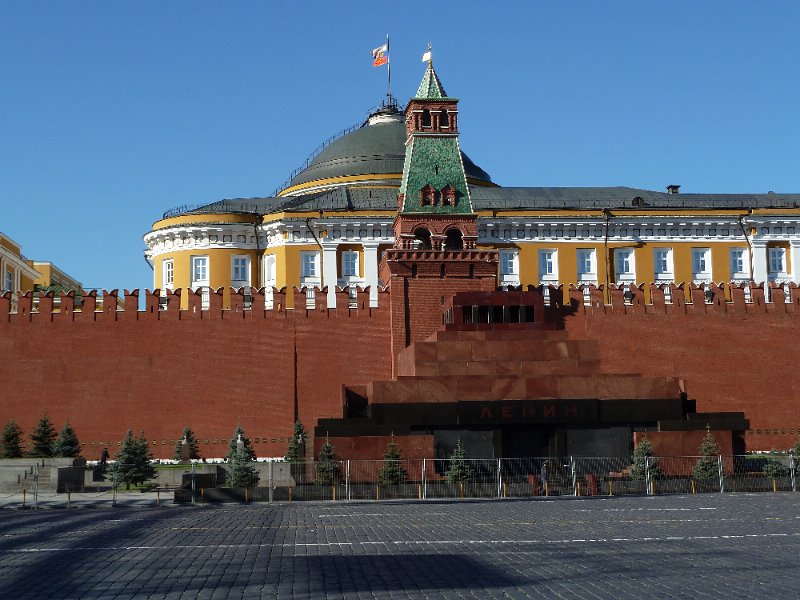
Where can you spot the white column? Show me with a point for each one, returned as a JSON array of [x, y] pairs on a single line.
[[371, 271], [329, 271], [794, 248], [759, 262]]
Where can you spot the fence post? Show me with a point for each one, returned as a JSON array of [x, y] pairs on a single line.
[[36, 487], [793, 472], [114, 487], [271, 481], [499, 480], [193, 485], [721, 475], [647, 475], [347, 480], [424, 479], [574, 475]]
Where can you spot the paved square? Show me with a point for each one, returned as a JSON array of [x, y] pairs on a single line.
[[714, 545]]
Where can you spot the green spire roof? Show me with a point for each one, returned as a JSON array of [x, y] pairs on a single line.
[[430, 87]]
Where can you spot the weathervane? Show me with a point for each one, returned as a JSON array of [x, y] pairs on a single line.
[[428, 56]]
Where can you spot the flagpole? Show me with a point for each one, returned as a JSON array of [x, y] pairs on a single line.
[[388, 72]]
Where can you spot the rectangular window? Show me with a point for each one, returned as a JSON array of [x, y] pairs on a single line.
[[509, 262], [240, 267], [169, 274], [623, 264], [509, 267], [309, 265], [548, 265], [777, 260], [200, 270], [662, 263], [739, 263], [349, 264], [586, 263], [701, 263], [8, 281]]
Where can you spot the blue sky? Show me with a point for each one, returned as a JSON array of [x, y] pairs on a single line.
[[113, 112]]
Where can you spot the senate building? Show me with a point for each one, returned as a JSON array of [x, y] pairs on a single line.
[[331, 222]]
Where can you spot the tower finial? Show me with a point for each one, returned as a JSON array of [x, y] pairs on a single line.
[[428, 56]]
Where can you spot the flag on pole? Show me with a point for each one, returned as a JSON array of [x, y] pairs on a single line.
[[380, 56]]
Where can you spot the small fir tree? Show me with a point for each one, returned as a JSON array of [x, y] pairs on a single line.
[[392, 472], [133, 464], [776, 465], [327, 471], [241, 471], [191, 441], [11, 440], [294, 451], [233, 445], [67, 444], [643, 457], [707, 466], [795, 450], [459, 471], [42, 438]]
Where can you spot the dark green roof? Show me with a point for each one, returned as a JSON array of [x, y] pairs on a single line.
[[374, 149], [499, 198], [506, 198]]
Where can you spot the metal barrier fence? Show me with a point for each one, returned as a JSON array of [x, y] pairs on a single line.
[[36, 485]]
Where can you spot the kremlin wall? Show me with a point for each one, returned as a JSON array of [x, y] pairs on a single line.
[[391, 289], [157, 370]]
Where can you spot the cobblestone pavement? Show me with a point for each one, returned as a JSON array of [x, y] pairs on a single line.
[[715, 545]]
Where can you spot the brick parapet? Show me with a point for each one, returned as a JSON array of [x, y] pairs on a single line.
[[110, 306]]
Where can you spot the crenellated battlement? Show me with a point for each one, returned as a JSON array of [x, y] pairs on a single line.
[[722, 298], [208, 304]]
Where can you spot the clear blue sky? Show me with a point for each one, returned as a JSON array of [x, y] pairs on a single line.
[[112, 112]]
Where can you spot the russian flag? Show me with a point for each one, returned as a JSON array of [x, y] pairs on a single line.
[[380, 56]]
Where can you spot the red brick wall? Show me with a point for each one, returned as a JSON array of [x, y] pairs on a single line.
[[730, 361], [159, 371]]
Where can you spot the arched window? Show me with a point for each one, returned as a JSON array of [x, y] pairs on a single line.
[[449, 196], [444, 120], [427, 195], [454, 240], [426, 117], [422, 239]]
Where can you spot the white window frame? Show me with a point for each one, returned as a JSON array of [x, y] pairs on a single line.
[[270, 270], [586, 257], [629, 274], [198, 263], [548, 265], [509, 266], [8, 281], [701, 264], [310, 272], [168, 274], [736, 255], [241, 263], [200, 266], [776, 262], [350, 258], [663, 267]]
